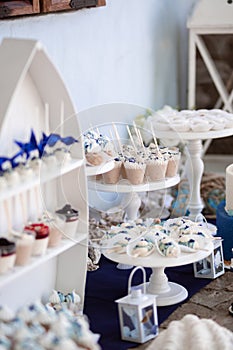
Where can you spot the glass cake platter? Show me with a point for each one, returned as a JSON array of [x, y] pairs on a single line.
[[168, 293]]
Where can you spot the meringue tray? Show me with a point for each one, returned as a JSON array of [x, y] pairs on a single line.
[[191, 135], [157, 260]]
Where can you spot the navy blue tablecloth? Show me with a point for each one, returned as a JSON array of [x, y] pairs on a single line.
[[108, 283]]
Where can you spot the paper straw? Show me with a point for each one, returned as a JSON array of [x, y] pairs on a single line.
[[46, 118], [62, 113], [8, 216], [139, 136], [36, 190], [24, 213], [154, 137], [131, 138], [114, 146], [117, 137]]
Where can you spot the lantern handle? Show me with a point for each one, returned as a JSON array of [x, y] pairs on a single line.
[[131, 277]]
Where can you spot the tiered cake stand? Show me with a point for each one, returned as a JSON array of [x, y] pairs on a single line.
[[99, 169], [168, 293], [194, 166], [131, 201]]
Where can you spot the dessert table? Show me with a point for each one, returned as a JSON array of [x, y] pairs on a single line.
[[194, 166]]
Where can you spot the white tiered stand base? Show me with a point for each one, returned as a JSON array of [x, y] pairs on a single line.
[[167, 293], [194, 166]]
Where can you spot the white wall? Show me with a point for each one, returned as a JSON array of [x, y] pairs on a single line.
[[130, 51]]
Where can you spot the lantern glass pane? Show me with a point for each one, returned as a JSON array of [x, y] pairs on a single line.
[[203, 266], [130, 322], [148, 321], [218, 260]]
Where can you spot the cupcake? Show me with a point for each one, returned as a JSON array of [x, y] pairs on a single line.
[[156, 167], [7, 255], [173, 162], [135, 170], [41, 233], [70, 217], [113, 176], [94, 158]]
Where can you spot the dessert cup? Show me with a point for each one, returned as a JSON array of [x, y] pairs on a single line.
[[113, 176], [135, 172], [41, 232], [173, 163], [156, 168], [62, 155], [7, 255], [24, 246], [70, 217]]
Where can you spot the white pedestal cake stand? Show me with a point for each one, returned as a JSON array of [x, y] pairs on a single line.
[[194, 166], [168, 293]]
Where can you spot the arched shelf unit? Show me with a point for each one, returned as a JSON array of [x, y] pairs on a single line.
[[30, 82]]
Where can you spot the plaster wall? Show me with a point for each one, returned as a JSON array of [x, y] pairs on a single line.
[[132, 51]]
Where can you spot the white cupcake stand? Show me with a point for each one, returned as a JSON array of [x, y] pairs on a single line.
[[168, 293], [131, 201], [194, 166]]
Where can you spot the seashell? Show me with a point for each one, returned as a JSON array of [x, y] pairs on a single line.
[[142, 247], [167, 247], [73, 297], [191, 332], [188, 243], [6, 314], [54, 298]]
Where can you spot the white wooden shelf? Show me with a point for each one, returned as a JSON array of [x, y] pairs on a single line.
[[18, 271], [39, 180]]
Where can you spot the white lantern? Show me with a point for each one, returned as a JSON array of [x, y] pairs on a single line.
[[138, 312], [213, 265]]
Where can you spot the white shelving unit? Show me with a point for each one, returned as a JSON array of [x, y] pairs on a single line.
[[29, 81]]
